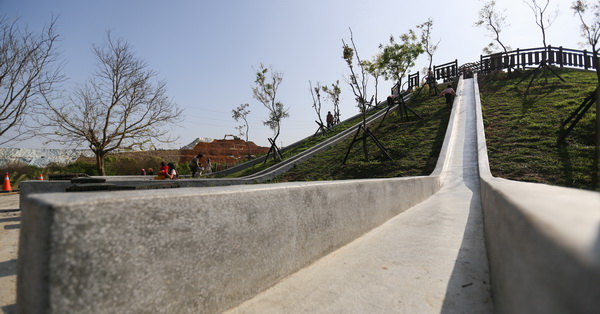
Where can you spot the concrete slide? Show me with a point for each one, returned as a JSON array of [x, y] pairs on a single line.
[[429, 259], [397, 245]]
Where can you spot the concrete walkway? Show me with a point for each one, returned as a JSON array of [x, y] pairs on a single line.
[[429, 259]]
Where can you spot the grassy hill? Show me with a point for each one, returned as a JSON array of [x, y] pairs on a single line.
[[522, 126], [414, 146]]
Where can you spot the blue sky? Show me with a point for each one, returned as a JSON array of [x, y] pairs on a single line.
[[207, 50]]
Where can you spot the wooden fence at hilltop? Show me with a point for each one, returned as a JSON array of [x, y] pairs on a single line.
[[522, 58], [516, 59]]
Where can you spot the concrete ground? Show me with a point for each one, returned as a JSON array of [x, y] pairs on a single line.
[[429, 259], [10, 218]]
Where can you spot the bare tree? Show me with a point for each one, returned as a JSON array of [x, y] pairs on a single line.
[[542, 19], [241, 112], [430, 48], [357, 83], [265, 91], [119, 108], [29, 69], [315, 92], [493, 21], [333, 94], [589, 15], [359, 88]]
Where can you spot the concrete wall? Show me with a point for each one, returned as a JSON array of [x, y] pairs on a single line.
[[543, 243], [37, 187], [190, 249], [543, 246]]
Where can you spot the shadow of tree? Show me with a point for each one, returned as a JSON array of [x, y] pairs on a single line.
[[8, 268]]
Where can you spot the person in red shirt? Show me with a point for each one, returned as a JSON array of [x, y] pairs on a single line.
[[449, 94]]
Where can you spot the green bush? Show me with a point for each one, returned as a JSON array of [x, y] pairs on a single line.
[[18, 171]]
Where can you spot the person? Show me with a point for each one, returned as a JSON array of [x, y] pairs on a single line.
[[329, 119], [430, 80], [449, 94], [390, 100], [208, 168], [164, 170], [195, 165], [143, 173], [172, 173], [468, 73], [164, 167], [150, 171], [430, 76]]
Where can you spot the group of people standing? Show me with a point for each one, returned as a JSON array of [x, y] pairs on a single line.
[[197, 168], [169, 170]]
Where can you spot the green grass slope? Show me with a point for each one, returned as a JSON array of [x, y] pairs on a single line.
[[414, 146], [522, 126]]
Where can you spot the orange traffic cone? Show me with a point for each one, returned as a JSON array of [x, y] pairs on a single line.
[[6, 186], [41, 177]]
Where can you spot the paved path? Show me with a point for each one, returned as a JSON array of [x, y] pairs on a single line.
[[10, 223], [429, 259]]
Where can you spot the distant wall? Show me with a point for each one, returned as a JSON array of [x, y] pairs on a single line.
[[190, 249], [41, 157]]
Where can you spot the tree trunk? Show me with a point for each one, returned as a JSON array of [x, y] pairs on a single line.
[[100, 163], [249, 152], [598, 135], [365, 148], [597, 164]]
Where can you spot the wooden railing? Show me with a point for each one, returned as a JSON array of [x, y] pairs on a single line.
[[522, 58], [413, 80], [446, 71]]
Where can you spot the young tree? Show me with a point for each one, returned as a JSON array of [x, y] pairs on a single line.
[[430, 48], [493, 21], [359, 88], [358, 84], [315, 92], [29, 69], [241, 112], [374, 69], [589, 15], [333, 94], [265, 91], [119, 108], [542, 19], [398, 57]]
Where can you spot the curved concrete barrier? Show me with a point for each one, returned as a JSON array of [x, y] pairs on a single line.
[[190, 249], [543, 242]]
